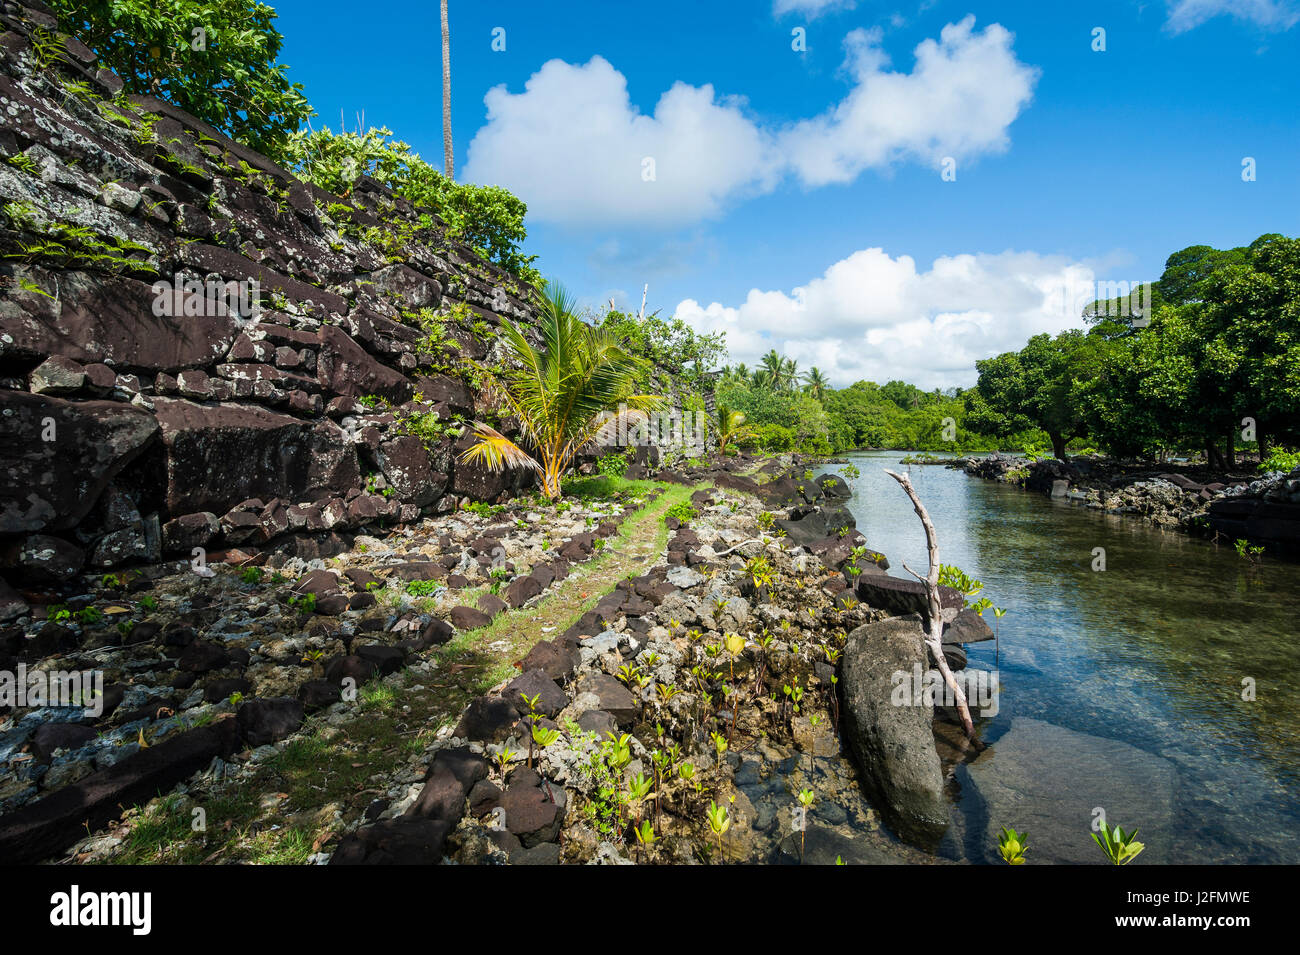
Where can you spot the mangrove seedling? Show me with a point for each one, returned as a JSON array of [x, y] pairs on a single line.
[[645, 836], [805, 803], [1013, 845], [719, 822], [543, 737], [504, 756], [1120, 847]]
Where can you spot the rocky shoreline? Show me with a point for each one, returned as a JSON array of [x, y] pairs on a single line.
[[1263, 510]]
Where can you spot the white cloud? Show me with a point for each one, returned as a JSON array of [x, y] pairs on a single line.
[[963, 94], [573, 146], [875, 317], [1271, 14], [810, 8]]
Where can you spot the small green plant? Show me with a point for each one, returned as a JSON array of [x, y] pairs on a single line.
[[422, 588], [1120, 847], [1247, 551], [1012, 846], [614, 464], [252, 575], [148, 604], [89, 616], [305, 604], [236, 698], [805, 801], [683, 511], [719, 822]]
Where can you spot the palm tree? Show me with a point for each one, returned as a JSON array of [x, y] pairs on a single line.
[[773, 366], [815, 383], [731, 427], [448, 164], [576, 390], [789, 374]]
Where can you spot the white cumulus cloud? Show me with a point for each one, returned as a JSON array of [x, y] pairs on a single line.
[[577, 150], [876, 317]]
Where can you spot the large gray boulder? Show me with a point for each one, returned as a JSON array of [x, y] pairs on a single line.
[[893, 744]]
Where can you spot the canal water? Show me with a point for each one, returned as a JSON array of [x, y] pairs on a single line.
[[1160, 692]]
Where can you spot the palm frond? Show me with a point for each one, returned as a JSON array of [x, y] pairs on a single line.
[[496, 451]]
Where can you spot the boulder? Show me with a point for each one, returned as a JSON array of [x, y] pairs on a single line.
[[59, 456], [897, 595], [406, 465], [220, 455], [535, 683], [893, 745], [262, 722]]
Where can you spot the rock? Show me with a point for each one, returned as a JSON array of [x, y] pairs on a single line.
[[684, 578], [488, 719], [967, 627], [44, 559], [521, 590], [598, 722], [182, 534], [406, 465], [451, 776], [550, 698], [55, 736], [262, 722], [220, 455], [533, 813], [834, 488], [1048, 780], [384, 660], [897, 596], [467, 618], [491, 604], [557, 660], [436, 633], [893, 745], [611, 696], [59, 456], [318, 694], [408, 840], [57, 375], [12, 605], [45, 828], [345, 368]]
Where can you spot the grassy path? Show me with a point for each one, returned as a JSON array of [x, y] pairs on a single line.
[[287, 809]]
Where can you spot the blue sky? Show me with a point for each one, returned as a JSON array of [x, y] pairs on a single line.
[[797, 198]]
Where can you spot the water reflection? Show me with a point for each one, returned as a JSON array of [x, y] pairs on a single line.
[[1152, 651]]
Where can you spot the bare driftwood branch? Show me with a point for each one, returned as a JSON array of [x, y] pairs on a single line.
[[934, 623]]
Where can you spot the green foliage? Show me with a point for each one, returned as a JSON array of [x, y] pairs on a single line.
[[489, 219], [684, 511], [1120, 847], [613, 463], [422, 588], [232, 81], [667, 346], [1012, 846], [1280, 459]]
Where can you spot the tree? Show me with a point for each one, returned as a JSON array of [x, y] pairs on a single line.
[[1036, 387], [731, 427], [215, 59], [447, 158], [815, 383], [576, 390], [773, 370]]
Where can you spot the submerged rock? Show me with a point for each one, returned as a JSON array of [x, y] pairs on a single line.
[[1049, 781]]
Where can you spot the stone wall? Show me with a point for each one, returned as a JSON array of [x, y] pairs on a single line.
[[150, 403]]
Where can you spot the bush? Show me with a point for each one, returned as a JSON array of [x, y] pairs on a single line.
[[487, 218], [1281, 459], [231, 80], [613, 464]]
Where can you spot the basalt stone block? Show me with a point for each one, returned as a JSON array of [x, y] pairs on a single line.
[[184, 533], [451, 776], [467, 618], [491, 604], [219, 455], [409, 840], [897, 596], [522, 590], [345, 368], [967, 627], [555, 659], [535, 683], [262, 722], [407, 467], [614, 698], [45, 828], [43, 559], [384, 659], [487, 719], [59, 456]]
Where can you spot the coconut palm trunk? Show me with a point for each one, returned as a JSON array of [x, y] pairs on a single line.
[[448, 163]]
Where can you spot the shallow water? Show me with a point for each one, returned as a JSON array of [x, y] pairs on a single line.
[[1152, 652]]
